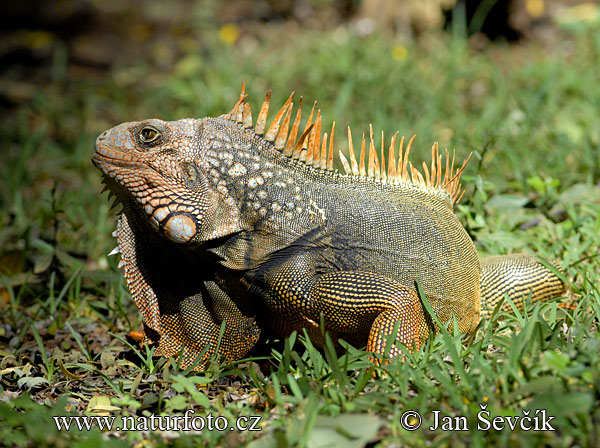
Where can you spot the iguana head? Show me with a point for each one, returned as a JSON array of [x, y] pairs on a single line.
[[163, 169]]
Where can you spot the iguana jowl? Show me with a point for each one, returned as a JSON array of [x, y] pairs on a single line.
[[223, 222]]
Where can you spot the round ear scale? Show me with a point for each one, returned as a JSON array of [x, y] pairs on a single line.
[[311, 149]]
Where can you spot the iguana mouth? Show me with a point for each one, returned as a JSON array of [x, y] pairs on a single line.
[[104, 158]]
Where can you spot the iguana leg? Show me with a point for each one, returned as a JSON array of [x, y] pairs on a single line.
[[181, 317], [201, 319], [354, 300], [361, 306], [197, 329]]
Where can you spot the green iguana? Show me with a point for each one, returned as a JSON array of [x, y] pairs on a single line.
[[224, 223]]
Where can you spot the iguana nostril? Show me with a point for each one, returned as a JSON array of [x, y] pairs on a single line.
[[102, 136]]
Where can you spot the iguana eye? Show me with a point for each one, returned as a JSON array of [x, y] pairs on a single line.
[[148, 134]]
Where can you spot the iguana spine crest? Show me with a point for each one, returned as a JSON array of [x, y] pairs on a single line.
[[311, 148]]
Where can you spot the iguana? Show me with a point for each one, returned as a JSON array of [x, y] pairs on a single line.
[[228, 231]]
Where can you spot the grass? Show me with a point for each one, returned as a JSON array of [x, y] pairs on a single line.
[[529, 113]]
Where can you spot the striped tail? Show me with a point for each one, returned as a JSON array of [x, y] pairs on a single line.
[[517, 276]]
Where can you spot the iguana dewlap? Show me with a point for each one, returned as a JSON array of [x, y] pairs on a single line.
[[226, 228]]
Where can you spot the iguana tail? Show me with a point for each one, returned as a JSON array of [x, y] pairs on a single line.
[[517, 276]]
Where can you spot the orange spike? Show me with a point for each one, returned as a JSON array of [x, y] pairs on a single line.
[[352, 154], [370, 167], [427, 178], [345, 163], [456, 177], [323, 159], [406, 154], [283, 133], [312, 111], [399, 172], [289, 147], [373, 159], [316, 149], [433, 173], [311, 141], [415, 174], [447, 167], [309, 123], [330, 157], [234, 112], [247, 116], [383, 173], [240, 110], [362, 157], [438, 160], [392, 158], [272, 132], [298, 147], [261, 121]]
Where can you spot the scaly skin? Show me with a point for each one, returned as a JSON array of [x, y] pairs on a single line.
[[224, 229]]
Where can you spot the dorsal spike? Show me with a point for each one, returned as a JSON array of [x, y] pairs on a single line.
[[323, 158], [233, 114], [330, 157], [392, 158], [362, 171], [376, 169], [247, 116], [300, 143], [447, 167], [311, 141], [399, 172], [240, 110], [298, 149], [311, 145], [283, 133], [405, 162], [383, 173], [261, 121], [352, 155], [312, 148], [317, 144], [272, 132], [433, 165], [454, 183], [450, 173], [426, 171], [345, 163], [289, 147], [439, 168], [372, 155], [416, 174], [312, 112]]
